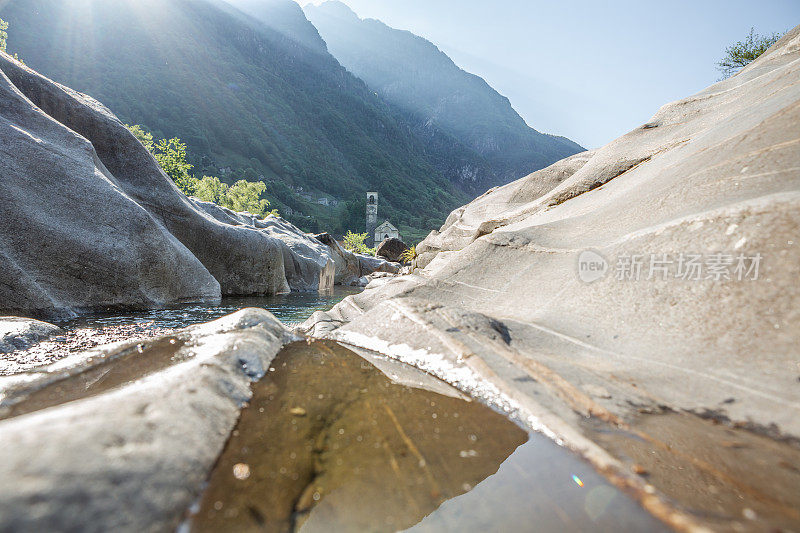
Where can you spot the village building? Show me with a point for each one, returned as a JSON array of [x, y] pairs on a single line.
[[386, 231]]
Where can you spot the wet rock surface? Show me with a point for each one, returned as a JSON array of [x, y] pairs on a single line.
[[502, 296], [18, 333], [733, 477], [330, 443], [123, 437]]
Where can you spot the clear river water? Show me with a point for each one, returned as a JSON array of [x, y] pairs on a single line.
[[98, 329]]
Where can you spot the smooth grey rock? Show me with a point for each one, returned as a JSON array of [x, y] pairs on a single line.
[[347, 265], [370, 264], [307, 263], [135, 455], [500, 297], [71, 237], [92, 220], [17, 333], [350, 267]]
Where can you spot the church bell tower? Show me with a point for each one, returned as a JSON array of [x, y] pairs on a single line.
[[372, 216]]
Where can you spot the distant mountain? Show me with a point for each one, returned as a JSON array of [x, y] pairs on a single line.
[[414, 75], [248, 86], [284, 17]]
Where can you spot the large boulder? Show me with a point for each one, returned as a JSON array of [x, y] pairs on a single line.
[[90, 219], [243, 261], [71, 236], [392, 250], [307, 263], [347, 266], [351, 268], [568, 293]]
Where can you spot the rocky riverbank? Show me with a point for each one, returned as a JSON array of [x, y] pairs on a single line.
[[92, 222], [130, 431], [656, 275]]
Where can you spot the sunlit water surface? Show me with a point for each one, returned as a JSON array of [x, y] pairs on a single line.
[[103, 328]]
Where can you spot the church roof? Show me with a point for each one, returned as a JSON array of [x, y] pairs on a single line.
[[386, 225]]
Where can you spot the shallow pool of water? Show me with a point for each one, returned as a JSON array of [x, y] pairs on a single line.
[[330, 443]]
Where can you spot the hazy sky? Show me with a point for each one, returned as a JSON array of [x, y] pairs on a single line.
[[587, 69]]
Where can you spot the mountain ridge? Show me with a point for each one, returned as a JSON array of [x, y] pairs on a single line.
[[412, 73], [251, 88], [241, 95]]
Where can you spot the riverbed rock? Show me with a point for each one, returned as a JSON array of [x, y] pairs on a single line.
[[533, 288], [307, 263], [392, 250], [351, 267], [129, 431], [71, 237], [17, 333], [91, 221]]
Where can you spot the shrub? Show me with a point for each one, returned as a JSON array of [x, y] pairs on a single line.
[[3, 34], [355, 243], [409, 255], [171, 156], [742, 53]]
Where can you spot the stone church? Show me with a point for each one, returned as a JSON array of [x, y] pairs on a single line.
[[386, 231], [375, 233]]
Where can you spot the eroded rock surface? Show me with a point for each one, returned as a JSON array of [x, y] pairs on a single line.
[[122, 437], [352, 268], [501, 296], [91, 221], [18, 333]]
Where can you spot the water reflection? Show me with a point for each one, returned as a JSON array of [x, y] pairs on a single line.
[[541, 487], [329, 443]]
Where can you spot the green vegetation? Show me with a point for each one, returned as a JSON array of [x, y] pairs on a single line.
[[3, 34], [248, 103], [409, 255], [171, 156], [355, 243], [742, 53], [4, 39]]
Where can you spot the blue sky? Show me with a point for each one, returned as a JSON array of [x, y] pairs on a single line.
[[589, 70]]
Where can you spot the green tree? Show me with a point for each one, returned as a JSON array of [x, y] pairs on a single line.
[[742, 53], [171, 156], [211, 189], [246, 196], [355, 243], [3, 34], [144, 137]]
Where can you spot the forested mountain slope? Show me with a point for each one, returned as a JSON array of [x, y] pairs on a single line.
[[413, 74], [240, 94]]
